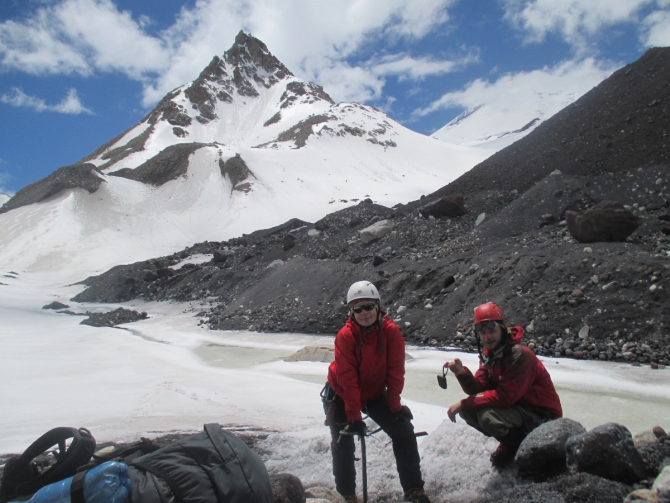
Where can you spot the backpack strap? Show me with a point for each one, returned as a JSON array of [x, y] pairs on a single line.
[[77, 487], [24, 481]]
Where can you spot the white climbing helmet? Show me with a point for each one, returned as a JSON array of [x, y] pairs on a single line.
[[362, 290]]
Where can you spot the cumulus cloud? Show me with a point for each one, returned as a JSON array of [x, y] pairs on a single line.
[[655, 30], [561, 84], [314, 39], [576, 21], [70, 104], [81, 36], [407, 67]]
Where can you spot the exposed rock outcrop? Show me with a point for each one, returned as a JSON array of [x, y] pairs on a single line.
[[169, 164], [77, 176]]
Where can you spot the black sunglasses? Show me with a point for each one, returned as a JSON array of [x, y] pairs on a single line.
[[364, 307], [488, 325]]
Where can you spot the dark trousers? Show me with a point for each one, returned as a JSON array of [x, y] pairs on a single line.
[[511, 424], [398, 428]]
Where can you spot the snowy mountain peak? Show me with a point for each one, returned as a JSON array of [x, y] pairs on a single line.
[[251, 55], [246, 145]]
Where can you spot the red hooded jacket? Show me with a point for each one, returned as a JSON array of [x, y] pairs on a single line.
[[367, 362], [517, 377]]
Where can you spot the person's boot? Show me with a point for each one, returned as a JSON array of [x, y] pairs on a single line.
[[350, 498], [506, 451], [417, 495]]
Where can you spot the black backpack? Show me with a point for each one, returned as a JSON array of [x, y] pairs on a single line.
[[210, 467], [22, 475]]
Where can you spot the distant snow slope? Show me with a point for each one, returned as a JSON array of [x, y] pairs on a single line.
[[304, 156], [505, 111], [3, 198]]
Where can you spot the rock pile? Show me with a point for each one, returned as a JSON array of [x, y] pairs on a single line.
[[605, 464], [113, 318]]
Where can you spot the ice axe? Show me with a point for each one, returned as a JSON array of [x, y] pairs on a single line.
[[363, 460]]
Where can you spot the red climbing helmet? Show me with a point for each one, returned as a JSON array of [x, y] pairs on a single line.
[[488, 312]]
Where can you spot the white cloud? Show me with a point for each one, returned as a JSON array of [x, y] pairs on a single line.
[[655, 30], [81, 36], [566, 81], [407, 67], [70, 104], [577, 21], [314, 39]]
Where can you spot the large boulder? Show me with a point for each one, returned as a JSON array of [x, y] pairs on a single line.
[[542, 453], [286, 488], [313, 354], [606, 451], [607, 221], [446, 206], [654, 446], [375, 231]]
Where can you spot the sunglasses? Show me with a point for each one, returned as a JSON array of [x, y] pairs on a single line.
[[364, 307], [488, 325]]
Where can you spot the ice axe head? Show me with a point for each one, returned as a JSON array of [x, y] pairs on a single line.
[[442, 379]]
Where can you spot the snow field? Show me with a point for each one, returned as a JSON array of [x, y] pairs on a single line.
[[167, 374]]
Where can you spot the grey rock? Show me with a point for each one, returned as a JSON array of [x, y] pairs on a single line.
[[542, 452], [55, 305], [606, 451], [375, 231], [150, 276], [289, 241], [446, 206], [608, 221], [377, 260], [221, 256], [324, 494], [287, 488], [662, 485]]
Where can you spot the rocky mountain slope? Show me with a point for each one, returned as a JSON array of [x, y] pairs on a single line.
[[603, 300], [619, 125]]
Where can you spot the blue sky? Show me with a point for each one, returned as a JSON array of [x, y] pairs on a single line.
[[76, 73]]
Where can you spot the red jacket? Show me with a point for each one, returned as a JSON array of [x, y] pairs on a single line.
[[361, 374], [516, 377]]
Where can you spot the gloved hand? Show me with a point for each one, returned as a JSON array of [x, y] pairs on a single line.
[[355, 428], [405, 413]]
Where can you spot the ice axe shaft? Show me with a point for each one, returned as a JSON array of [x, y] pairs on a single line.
[[365, 471]]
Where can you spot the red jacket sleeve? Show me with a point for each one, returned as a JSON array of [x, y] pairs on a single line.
[[472, 385], [347, 373], [395, 367], [513, 384]]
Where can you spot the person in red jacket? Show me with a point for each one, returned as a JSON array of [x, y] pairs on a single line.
[[368, 375], [511, 393]]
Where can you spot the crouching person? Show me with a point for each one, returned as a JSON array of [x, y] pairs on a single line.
[[368, 375], [511, 393]]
